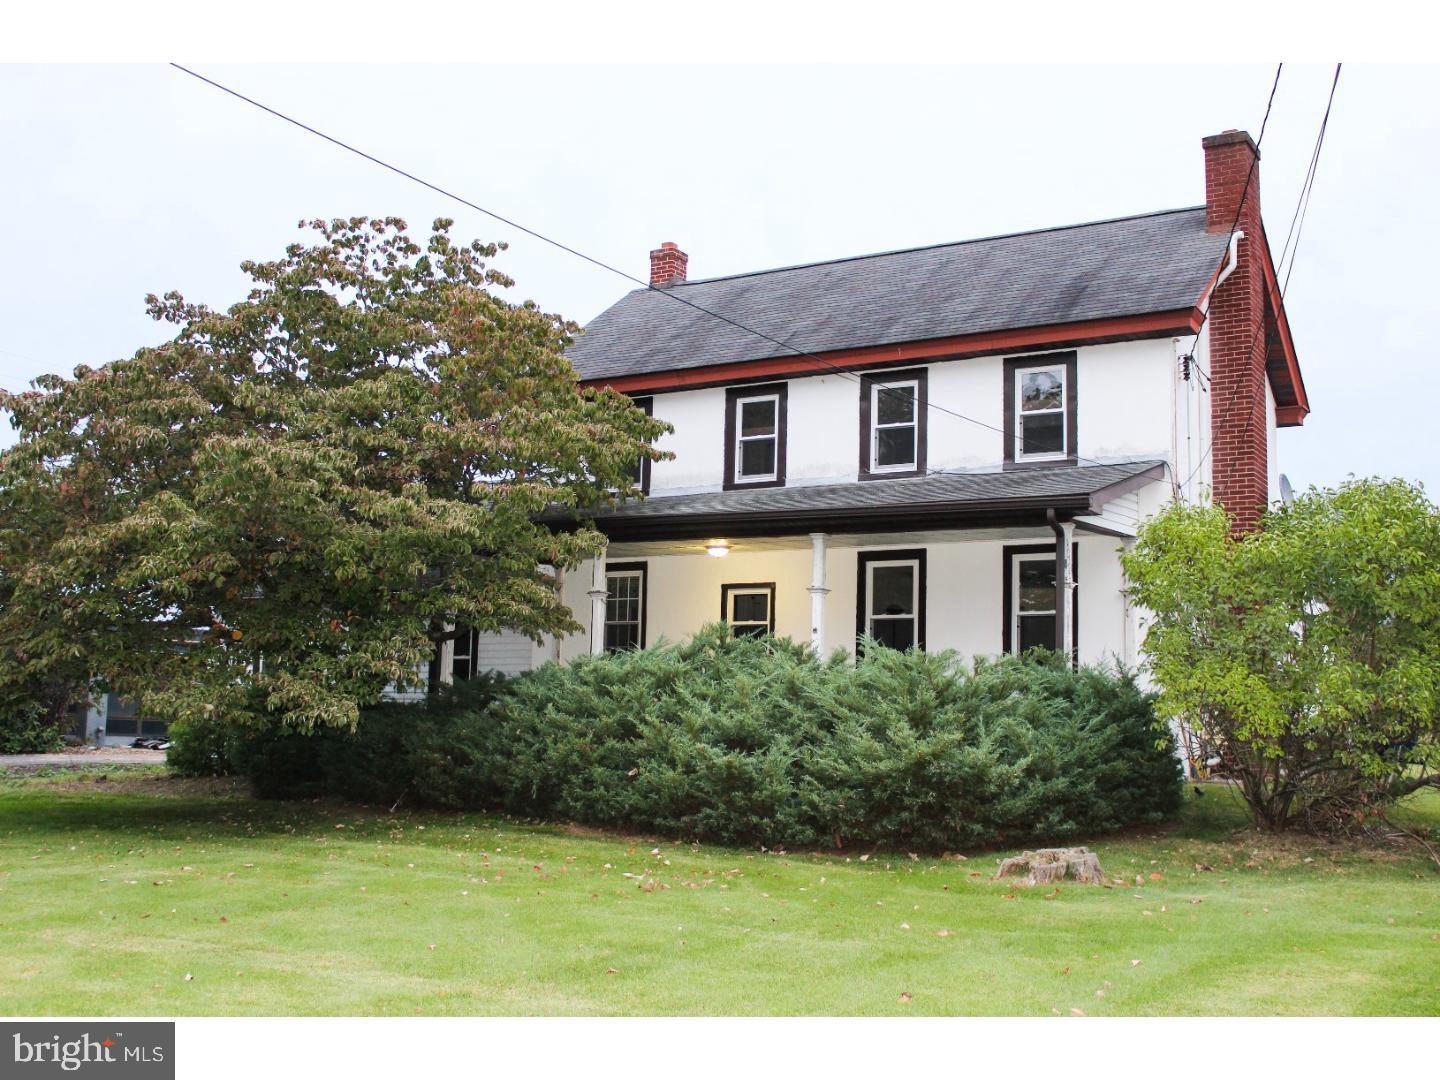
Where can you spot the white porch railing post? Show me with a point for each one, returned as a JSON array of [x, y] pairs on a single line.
[[597, 594], [818, 592]]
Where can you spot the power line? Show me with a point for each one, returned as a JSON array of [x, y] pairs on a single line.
[[1302, 201], [1240, 206], [1303, 208], [589, 258]]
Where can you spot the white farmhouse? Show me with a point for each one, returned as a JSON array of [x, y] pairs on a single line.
[[947, 447]]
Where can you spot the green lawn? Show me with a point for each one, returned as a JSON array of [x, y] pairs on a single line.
[[141, 895]]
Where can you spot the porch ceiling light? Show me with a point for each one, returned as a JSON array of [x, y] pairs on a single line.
[[717, 549]]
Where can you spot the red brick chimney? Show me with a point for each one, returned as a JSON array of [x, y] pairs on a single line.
[[1238, 430], [667, 265]]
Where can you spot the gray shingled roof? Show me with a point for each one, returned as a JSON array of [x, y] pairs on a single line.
[[1130, 266], [1074, 489]]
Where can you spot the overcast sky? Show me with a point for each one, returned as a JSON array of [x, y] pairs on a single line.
[[121, 181]]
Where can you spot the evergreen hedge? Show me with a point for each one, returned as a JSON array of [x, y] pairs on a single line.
[[755, 741]]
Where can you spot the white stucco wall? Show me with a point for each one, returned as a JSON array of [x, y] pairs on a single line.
[[1126, 409], [964, 590]]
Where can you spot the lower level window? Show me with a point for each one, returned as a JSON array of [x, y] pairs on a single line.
[[1030, 593], [1034, 602], [467, 652], [892, 598], [624, 606], [749, 609]]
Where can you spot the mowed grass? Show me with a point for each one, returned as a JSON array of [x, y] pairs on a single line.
[[142, 895]]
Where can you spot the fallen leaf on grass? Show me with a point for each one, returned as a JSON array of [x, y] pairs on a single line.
[[612, 971], [1157, 877], [1051, 895], [1204, 868], [905, 997], [1136, 963], [1077, 1012]]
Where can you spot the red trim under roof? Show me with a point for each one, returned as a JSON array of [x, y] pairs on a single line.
[[1092, 332]]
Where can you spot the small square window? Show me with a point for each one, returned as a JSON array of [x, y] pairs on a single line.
[[749, 609]]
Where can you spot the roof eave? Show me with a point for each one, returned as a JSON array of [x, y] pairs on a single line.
[[1054, 336]]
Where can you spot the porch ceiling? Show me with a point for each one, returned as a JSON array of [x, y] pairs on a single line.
[[626, 549]]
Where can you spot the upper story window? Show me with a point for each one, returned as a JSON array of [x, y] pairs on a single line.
[[1040, 422], [755, 436], [642, 467], [892, 424]]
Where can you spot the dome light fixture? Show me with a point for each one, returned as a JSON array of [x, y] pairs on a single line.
[[717, 549]]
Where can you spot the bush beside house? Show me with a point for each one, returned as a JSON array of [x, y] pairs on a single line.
[[755, 741]]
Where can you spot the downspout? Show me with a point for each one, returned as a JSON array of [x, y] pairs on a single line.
[[1232, 261]]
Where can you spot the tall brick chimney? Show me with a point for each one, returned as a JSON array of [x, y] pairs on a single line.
[[1238, 431], [667, 265]]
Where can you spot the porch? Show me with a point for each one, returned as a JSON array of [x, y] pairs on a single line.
[[980, 563]]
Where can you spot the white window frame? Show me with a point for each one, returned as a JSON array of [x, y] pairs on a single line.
[[741, 439], [767, 591], [640, 574], [914, 616], [876, 390], [1015, 561], [1020, 413]]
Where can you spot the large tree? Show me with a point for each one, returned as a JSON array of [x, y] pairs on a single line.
[[278, 512], [1308, 653]]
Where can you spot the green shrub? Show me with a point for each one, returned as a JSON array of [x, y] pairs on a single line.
[[34, 714], [753, 741], [432, 753], [200, 747], [756, 741], [280, 764]]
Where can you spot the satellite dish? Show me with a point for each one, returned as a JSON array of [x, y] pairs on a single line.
[[1287, 493]]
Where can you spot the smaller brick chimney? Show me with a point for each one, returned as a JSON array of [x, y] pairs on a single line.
[[667, 265]]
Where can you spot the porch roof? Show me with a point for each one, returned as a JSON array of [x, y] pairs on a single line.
[[1011, 497]]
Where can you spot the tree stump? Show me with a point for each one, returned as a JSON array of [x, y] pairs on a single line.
[[1049, 865]]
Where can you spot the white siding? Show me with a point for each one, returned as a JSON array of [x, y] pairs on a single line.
[[509, 653]]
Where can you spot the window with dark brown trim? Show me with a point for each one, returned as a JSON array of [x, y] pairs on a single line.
[[892, 423], [748, 608], [1040, 416], [890, 597], [755, 424], [1028, 598], [642, 467]]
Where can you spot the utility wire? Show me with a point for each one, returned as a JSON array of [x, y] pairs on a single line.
[[1240, 206], [1303, 200], [670, 294], [1310, 185]]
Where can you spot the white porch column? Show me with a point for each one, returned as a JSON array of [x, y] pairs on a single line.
[[818, 592], [597, 604], [1065, 589]]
